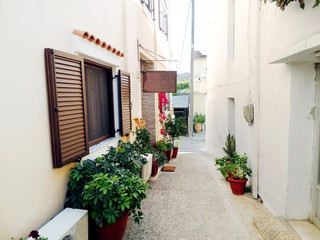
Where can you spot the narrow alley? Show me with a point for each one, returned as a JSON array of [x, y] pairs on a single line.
[[195, 202]]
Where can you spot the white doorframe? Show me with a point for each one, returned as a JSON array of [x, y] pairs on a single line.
[[315, 214]]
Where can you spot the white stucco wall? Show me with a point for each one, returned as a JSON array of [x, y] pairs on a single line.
[[280, 143], [32, 191]]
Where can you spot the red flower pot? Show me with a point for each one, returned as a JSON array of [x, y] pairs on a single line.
[[175, 152], [168, 154], [154, 168], [237, 185], [116, 230]]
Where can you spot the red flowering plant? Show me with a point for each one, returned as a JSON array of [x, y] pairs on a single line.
[[161, 145], [33, 234], [234, 167], [162, 102]]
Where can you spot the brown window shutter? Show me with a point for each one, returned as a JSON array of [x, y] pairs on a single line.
[[67, 108], [125, 103]]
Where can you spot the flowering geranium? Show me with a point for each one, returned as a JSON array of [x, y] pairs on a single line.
[[161, 145]]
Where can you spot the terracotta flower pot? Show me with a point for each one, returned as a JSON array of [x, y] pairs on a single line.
[[116, 230], [175, 152], [168, 154], [198, 127], [237, 185], [155, 168]]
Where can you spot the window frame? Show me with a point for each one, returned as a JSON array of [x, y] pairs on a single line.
[[163, 18], [67, 106], [90, 63], [149, 5]]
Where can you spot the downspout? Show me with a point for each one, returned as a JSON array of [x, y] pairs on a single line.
[[255, 180]]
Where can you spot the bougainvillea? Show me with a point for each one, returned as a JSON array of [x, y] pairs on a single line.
[[162, 101]]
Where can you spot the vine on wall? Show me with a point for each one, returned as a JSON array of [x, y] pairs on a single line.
[[283, 3]]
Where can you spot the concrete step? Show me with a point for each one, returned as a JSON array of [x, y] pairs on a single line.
[[274, 228]]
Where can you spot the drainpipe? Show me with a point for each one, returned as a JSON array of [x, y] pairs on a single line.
[[256, 81]]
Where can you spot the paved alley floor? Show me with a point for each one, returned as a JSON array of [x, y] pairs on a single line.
[[195, 202]]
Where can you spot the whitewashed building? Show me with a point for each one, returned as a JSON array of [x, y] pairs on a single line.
[[266, 60], [199, 82], [40, 45]]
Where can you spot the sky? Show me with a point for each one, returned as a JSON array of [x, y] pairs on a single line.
[[179, 14]]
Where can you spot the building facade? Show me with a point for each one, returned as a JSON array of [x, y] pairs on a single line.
[[199, 82], [73, 94], [265, 61]]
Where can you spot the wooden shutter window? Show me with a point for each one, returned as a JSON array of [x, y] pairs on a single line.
[[67, 108], [125, 103]]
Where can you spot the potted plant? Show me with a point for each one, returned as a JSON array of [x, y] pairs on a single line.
[[176, 145], [230, 150], [159, 159], [142, 143], [199, 120], [109, 199], [175, 128], [169, 146], [237, 166], [161, 146], [89, 184]]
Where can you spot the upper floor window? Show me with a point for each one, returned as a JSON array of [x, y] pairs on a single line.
[[163, 17], [149, 6]]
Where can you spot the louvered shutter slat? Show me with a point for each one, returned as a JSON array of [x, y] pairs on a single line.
[[68, 121], [125, 103]]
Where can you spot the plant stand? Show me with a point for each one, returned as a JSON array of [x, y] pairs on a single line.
[[237, 186]]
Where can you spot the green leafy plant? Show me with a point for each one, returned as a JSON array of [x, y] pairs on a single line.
[[230, 145], [169, 145], [283, 3], [127, 156], [125, 163], [237, 166], [142, 143], [223, 163], [108, 196], [199, 118], [161, 158], [175, 127], [161, 145]]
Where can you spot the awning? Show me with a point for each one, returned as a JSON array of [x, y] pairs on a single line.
[[160, 81]]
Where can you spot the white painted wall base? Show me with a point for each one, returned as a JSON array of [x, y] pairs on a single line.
[[147, 168]]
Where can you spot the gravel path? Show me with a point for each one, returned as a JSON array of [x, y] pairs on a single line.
[[195, 202]]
